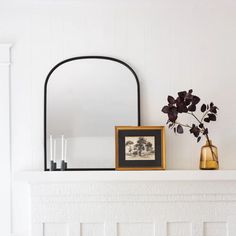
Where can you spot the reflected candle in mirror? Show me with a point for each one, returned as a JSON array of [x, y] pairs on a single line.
[[54, 154], [65, 143], [65, 158], [62, 147], [51, 150], [51, 153], [63, 153]]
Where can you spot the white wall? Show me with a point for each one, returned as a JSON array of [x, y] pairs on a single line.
[[5, 151], [172, 45]]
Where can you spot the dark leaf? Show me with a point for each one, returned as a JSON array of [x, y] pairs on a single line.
[[201, 125], [211, 104], [174, 129], [180, 129], [203, 108], [205, 131], [195, 100], [172, 117], [182, 94], [195, 130], [207, 106], [171, 100], [196, 133], [171, 125], [189, 96], [193, 126], [178, 101], [212, 117], [214, 109], [165, 109], [182, 108], [190, 91], [187, 102], [192, 108], [173, 114], [207, 120], [198, 139]]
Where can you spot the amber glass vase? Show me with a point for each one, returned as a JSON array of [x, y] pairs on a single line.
[[209, 157]]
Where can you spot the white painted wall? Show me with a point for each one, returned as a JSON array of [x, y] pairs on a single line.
[[172, 45], [5, 140]]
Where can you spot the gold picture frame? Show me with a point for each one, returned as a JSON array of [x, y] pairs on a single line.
[[140, 148]]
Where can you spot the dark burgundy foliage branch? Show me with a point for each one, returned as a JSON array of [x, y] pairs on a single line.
[[186, 102]]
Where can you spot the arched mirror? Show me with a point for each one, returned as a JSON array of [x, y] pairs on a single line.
[[85, 98]]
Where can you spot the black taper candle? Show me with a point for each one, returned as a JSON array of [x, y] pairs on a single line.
[[63, 166], [52, 166]]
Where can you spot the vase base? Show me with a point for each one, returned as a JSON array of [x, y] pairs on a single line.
[[209, 165]]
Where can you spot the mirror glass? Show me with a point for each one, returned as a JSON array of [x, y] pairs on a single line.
[[86, 99]]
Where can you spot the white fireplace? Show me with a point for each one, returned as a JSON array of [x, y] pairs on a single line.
[[152, 203]]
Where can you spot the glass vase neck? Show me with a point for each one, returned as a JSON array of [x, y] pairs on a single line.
[[208, 143]]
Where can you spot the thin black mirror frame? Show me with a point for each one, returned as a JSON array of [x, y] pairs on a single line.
[[45, 104]]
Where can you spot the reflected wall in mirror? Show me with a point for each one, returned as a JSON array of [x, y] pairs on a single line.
[[85, 98]]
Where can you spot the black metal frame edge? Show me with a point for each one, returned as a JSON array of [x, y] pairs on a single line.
[[45, 104]]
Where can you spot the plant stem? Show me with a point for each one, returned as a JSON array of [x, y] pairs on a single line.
[[205, 115], [213, 154], [207, 137], [187, 126], [195, 117]]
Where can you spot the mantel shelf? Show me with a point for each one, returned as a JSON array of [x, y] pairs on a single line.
[[119, 176]]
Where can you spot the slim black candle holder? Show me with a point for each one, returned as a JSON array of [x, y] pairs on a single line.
[[53, 166], [63, 165]]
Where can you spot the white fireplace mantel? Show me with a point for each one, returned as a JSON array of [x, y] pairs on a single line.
[[168, 175], [132, 203]]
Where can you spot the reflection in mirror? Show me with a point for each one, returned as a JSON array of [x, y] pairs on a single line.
[[86, 98]]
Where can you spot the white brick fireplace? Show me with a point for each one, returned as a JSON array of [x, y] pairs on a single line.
[[165, 203]]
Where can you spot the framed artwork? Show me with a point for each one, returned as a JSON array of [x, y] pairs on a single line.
[[140, 147]]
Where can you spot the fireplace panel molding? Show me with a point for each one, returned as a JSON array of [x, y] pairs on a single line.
[[156, 206]]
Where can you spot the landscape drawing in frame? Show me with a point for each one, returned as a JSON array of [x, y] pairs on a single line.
[[140, 147]]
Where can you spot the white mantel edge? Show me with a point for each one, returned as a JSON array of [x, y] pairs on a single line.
[[119, 176]]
